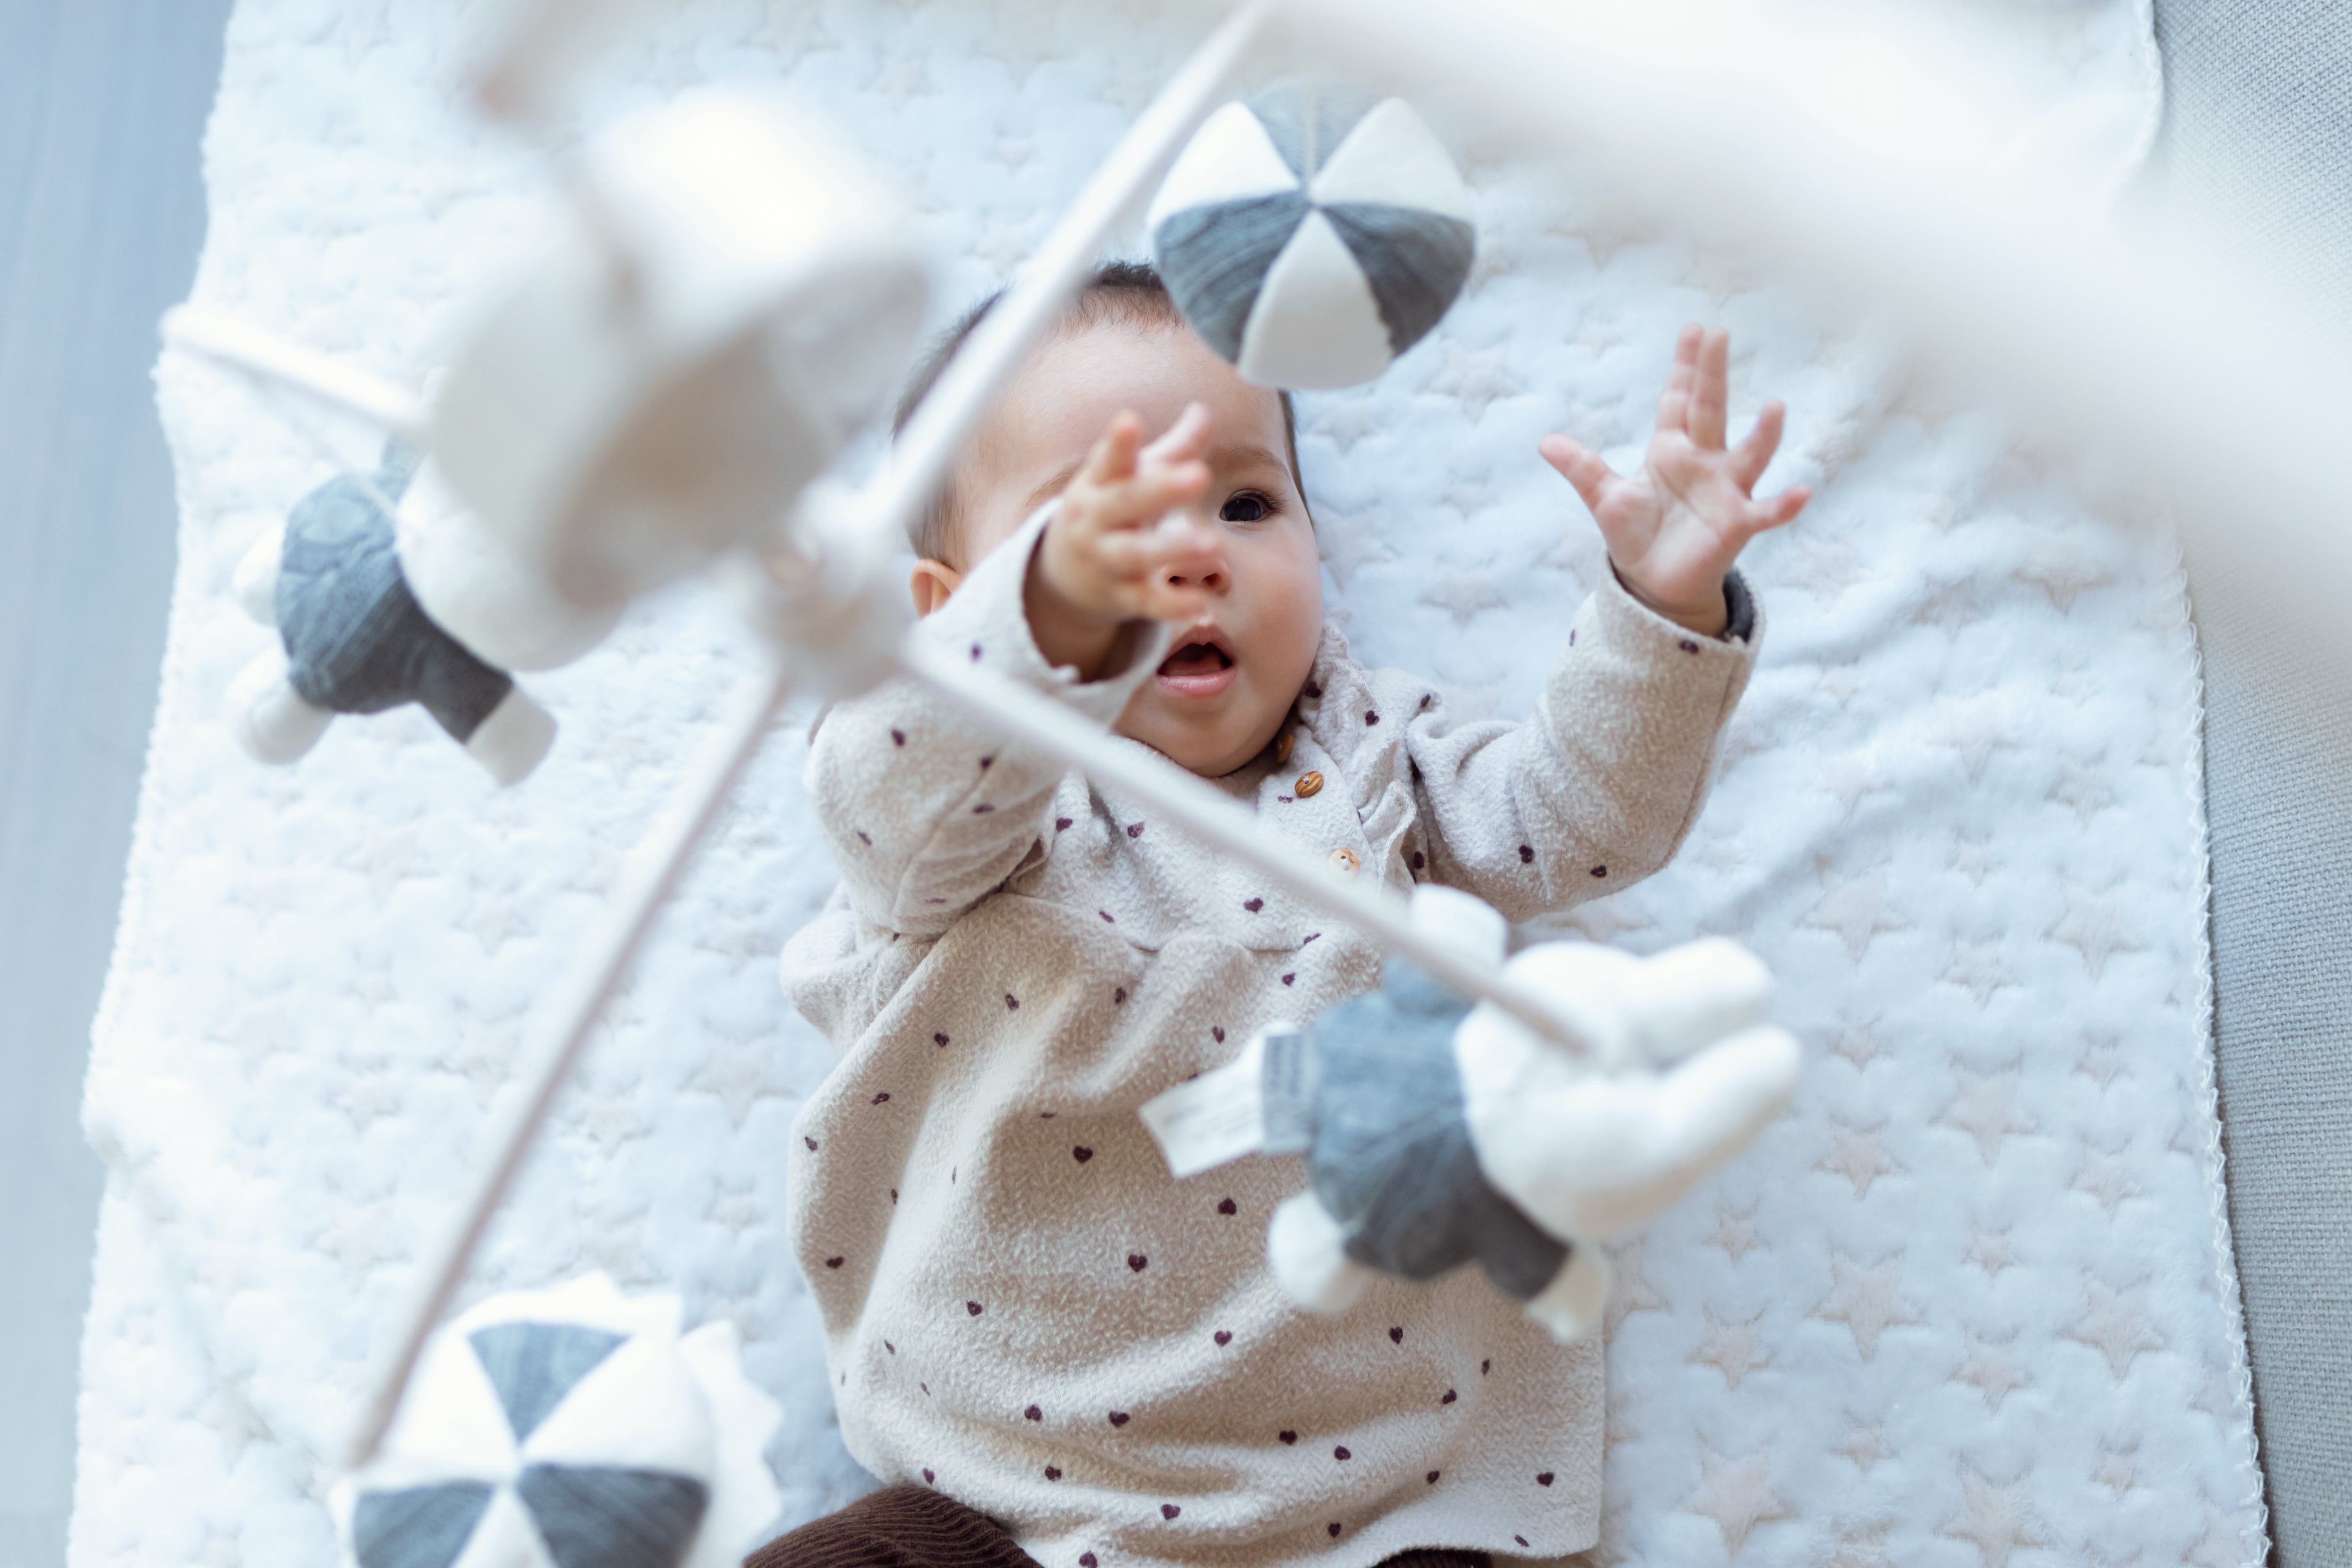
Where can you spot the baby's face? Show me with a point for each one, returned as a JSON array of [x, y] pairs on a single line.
[[1228, 683]]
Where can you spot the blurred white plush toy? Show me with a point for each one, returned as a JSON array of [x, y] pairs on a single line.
[[734, 297], [574, 1428], [1438, 1134], [731, 299]]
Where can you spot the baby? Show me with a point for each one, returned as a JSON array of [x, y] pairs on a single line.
[[1062, 1356]]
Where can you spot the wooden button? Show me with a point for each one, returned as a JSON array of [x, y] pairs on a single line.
[[1284, 744], [1345, 862], [1309, 783]]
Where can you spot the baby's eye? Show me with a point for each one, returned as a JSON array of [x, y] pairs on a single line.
[[1248, 506]]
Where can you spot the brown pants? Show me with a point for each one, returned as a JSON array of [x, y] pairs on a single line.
[[915, 1527]]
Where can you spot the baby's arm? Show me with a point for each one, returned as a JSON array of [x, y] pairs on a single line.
[[927, 808], [1599, 788]]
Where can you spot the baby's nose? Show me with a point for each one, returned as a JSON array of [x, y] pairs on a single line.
[[1217, 579]]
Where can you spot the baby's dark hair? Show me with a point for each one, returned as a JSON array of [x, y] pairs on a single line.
[[1124, 291]]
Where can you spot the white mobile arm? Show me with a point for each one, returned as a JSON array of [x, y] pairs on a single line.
[[647, 880]]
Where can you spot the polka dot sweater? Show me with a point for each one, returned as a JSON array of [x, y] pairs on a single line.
[[1021, 1307]]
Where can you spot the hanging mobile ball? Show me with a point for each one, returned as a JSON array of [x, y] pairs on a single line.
[[574, 1428], [1313, 234]]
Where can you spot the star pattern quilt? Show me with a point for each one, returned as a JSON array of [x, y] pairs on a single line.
[[1971, 1305]]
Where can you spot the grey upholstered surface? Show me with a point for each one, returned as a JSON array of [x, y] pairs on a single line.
[[2258, 139], [2258, 126], [101, 211], [2278, 756]]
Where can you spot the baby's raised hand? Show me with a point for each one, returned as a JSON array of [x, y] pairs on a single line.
[[1128, 541], [1675, 528]]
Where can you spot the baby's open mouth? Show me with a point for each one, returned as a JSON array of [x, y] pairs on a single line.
[[1196, 659], [1201, 666]]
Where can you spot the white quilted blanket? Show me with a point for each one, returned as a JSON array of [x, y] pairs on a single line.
[[1969, 1306]]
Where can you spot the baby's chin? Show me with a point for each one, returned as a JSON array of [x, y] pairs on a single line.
[[1211, 735]]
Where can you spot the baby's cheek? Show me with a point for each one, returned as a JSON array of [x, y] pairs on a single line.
[[1296, 606], [1302, 632]]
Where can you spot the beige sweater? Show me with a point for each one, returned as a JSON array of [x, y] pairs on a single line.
[[1021, 1308]]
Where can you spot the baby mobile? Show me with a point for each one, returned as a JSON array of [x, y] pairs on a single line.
[[659, 396]]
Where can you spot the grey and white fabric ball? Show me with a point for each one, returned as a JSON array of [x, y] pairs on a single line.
[[572, 1428], [1313, 234], [1390, 1155]]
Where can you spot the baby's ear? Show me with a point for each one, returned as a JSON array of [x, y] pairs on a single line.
[[931, 584]]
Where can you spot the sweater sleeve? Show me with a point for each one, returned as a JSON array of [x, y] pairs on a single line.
[[1600, 786], [927, 808]]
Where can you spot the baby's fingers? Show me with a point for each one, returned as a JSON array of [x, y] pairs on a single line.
[[1576, 464], [1674, 404], [1138, 502], [1780, 509], [1164, 572], [1753, 455], [1186, 439], [1709, 394], [1180, 543], [1112, 457]]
